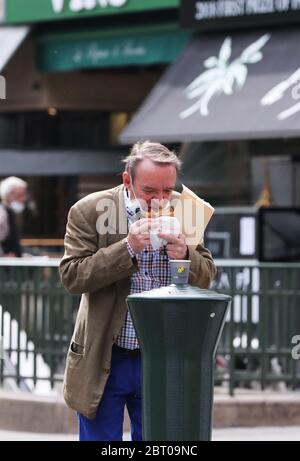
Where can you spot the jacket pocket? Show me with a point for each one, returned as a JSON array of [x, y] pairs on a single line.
[[76, 349]]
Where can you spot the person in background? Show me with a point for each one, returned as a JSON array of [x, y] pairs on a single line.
[[13, 194]]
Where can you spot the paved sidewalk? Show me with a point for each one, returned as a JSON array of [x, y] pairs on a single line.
[[49, 414], [291, 433], [231, 434]]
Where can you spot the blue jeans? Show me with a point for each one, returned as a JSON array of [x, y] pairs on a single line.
[[123, 388]]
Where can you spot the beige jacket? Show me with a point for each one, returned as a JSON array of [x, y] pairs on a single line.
[[98, 266]]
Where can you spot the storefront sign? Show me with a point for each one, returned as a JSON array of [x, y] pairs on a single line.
[[81, 5], [43, 10], [63, 54], [197, 13]]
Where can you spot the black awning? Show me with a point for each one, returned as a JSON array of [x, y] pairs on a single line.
[[241, 85]]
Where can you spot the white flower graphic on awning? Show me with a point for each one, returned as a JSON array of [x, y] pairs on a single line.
[[281, 90], [222, 75]]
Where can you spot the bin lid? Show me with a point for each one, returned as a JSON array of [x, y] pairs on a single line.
[[184, 291]]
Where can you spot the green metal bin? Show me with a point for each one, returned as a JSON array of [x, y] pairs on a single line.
[[178, 327]]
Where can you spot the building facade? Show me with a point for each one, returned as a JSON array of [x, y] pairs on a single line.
[[84, 73], [76, 74]]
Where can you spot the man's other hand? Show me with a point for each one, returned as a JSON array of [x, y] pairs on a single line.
[[139, 234]]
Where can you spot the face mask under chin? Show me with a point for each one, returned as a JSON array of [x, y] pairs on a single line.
[[17, 207], [134, 205]]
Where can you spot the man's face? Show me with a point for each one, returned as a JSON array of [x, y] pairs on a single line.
[[152, 182]]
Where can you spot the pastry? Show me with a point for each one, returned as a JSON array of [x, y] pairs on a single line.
[[161, 212]]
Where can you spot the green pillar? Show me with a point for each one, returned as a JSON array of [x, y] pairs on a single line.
[[179, 328]]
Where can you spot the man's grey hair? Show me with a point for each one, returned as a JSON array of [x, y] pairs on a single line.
[[8, 185], [153, 151]]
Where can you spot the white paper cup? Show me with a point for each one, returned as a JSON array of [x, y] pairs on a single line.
[[180, 269]]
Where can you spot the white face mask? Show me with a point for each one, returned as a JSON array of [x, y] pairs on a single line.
[[134, 205], [17, 207]]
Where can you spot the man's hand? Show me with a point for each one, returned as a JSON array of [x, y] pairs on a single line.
[[176, 247], [139, 236]]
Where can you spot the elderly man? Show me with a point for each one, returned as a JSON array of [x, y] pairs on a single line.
[[104, 262], [13, 192]]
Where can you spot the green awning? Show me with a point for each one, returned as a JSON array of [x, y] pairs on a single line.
[[88, 49]]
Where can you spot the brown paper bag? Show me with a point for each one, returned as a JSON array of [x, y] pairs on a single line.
[[193, 214]]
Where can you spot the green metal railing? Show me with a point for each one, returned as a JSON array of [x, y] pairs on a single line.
[[36, 322], [256, 344], [37, 317]]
